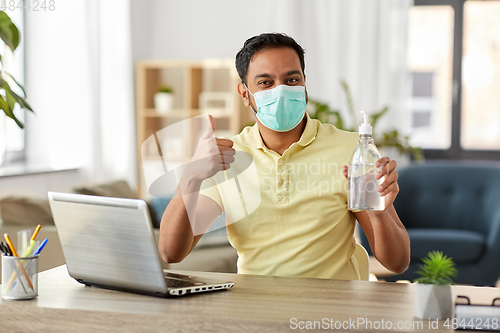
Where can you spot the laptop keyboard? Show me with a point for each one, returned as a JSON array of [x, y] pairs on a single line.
[[174, 283], [180, 281], [177, 276]]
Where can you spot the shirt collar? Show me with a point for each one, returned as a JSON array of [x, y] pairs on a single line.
[[254, 140]]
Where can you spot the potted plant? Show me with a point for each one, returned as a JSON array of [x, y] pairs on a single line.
[[9, 98], [11, 92], [164, 99], [390, 139], [432, 298]]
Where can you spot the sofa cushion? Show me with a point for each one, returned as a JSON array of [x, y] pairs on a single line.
[[462, 246], [215, 236], [115, 189], [157, 208], [25, 211]]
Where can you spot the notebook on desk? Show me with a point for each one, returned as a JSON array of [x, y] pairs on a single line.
[[109, 243]]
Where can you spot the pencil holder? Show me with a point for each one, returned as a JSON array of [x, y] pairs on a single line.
[[19, 277]]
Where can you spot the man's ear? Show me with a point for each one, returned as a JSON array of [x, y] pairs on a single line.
[[244, 94]]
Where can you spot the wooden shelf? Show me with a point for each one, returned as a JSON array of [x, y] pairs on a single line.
[[192, 82], [170, 160], [174, 113], [186, 113]]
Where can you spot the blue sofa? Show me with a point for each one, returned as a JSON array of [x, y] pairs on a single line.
[[452, 207]]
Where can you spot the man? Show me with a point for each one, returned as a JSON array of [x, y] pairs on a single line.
[[302, 226]]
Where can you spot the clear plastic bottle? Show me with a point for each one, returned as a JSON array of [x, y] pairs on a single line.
[[362, 175]]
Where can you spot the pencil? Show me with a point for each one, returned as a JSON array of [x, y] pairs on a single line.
[[5, 249], [36, 232], [14, 253]]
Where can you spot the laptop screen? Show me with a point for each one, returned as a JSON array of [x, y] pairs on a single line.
[[108, 241]]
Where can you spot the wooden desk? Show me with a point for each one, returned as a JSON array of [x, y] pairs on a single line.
[[255, 304]]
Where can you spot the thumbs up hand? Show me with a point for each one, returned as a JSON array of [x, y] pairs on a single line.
[[212, 154]]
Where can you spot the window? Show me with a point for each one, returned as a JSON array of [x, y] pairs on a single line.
[[454, 66], [12, 138], [422, 101]]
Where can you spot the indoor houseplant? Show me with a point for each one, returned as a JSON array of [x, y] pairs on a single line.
[[390, 139], [9, 98], [432, 298], [164, 99]]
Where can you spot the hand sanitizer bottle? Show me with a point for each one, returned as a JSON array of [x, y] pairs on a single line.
[[363, 184]]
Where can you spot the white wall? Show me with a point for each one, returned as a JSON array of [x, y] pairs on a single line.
[[58, 133], [65, 86], [56, 66], [37, 185], [57, 61], [194, 29], [342, 39]]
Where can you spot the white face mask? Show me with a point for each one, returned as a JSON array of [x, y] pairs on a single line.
[[282, 108]]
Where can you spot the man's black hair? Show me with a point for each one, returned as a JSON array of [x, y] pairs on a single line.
[[261, 42]]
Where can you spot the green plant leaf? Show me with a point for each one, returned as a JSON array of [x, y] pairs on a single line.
[[17, 83], [374, 117], [15, 97], [9, 101], [9, 112], [10, 36], [437, 269], [350, 102], [165, 89], [325, 114], [8, 31]]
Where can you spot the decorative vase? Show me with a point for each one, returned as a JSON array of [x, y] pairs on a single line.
[[163, 102], [432, 301]]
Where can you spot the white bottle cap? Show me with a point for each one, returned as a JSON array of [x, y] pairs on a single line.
[[365, 127]]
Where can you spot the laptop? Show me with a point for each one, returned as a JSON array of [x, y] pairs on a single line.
[[109, 243]]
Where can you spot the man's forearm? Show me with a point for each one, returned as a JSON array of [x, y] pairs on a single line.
[[177, 225], [388, 238]]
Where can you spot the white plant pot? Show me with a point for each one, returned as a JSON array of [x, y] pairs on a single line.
[[432, 301], [163, 102]]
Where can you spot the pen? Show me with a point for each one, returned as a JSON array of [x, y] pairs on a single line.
[[36, 232], [14, 253], [5, 249], [40, 248], [12, 248], [37, 252]]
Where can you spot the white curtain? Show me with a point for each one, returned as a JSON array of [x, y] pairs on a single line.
[[360, 41], [113, 142]]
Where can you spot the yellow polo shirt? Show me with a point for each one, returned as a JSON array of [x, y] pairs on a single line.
[[287, 215]]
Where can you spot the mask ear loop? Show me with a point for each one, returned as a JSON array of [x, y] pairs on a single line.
[[249, 99]]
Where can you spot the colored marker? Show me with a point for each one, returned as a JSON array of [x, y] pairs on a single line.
[[29, 249], [37, 252]]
